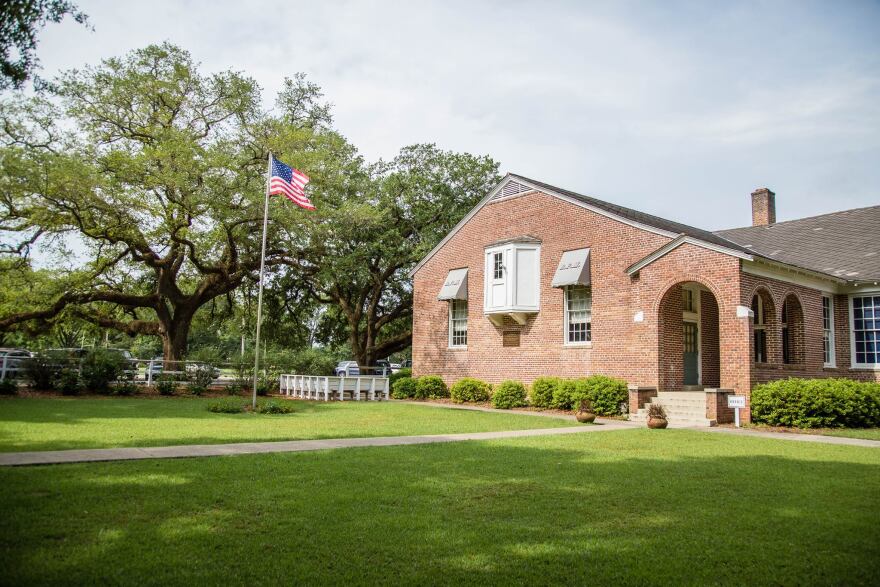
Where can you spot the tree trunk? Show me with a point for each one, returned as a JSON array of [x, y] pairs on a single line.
[[175, 336]]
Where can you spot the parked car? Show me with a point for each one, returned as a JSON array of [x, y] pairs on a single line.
[[13, 358], [407, 364], [386, 367], [193, 367], [347, 369]]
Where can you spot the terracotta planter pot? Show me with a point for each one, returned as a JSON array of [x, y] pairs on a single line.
[[585, 417], [657, 423]]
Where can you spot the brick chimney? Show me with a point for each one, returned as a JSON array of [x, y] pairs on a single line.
[[763, 207]]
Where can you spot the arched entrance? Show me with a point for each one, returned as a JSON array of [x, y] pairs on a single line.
[[688, 338]]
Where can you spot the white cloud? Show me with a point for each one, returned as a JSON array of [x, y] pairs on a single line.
[[676, 108]]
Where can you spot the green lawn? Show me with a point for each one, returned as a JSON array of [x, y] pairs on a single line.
[[869, 433], [623, 507], [53, 423]]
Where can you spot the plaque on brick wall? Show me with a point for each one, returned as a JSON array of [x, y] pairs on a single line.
[[510, 338]]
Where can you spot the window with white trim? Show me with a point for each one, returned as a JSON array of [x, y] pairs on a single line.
[[578, 314], [458, 318], [866, 330], [828, 330], [760, 328], [498, 269]]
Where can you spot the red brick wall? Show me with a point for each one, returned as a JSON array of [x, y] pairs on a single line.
[[616, 349], [806, 333], [710, 340], [620, 346]]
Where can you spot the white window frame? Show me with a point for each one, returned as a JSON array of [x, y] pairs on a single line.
[[510, 277], [852, 333], [451, 341], [828, 333], [565, 321]]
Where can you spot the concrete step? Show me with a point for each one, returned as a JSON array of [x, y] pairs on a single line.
[[698, 395], [676, 422], [683, 403]]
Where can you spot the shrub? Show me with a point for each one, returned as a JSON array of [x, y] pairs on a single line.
[[226, 406], [99, 368], [125, 388], [509, 394], [166, 385], [235, 388], [817, 403], [404, 388], [606, 394], [431, 387], [68, 382], [542, 391], [8, 386], [265, 386], [401, 374], [271, 407], [200, 379], [42, 370], [563, 395], [469, 389]]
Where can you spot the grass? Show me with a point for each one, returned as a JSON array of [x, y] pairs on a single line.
[[621, 507], [866, 433], [55, 423]]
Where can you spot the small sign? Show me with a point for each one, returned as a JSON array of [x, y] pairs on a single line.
[[736, 401]]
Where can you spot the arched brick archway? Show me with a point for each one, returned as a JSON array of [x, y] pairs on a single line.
[[766, 345], [792, 331], [688, 337]]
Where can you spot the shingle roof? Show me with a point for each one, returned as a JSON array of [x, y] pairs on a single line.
[[843, 244], [643, 218]]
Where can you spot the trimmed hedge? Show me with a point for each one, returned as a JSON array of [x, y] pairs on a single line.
[[401, 374], [431, 387], [469, 389], [606, 394], [509, 394], [563, 395], [817, 403], [543, 389], [404, 388]]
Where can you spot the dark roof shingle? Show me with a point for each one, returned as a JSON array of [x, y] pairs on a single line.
[[843, 244]]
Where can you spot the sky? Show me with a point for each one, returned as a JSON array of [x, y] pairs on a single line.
[[680, 109]]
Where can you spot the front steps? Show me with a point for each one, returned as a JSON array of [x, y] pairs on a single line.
[[683, 409]]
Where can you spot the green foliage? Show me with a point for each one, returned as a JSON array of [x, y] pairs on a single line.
[[606, 394], [431, 387], [817, 403], [226, 406], [235, 388], [99, 368], [509, 394], [404, 388], [42, 370], [401, 373], [21, 21], [469, 389], [166, 385], [273, 407], [125, 388], [563, 395], [543, 389], [68, 381], [8, 386], [265, 386], [200, 379]]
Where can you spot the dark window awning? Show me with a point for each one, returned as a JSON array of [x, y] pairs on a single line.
[[455, 286], [573, 269]]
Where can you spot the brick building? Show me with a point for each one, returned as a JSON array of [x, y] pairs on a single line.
[[538, 280]]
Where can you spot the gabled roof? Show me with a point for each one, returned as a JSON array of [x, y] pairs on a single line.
[[622, 214], [842, 244]]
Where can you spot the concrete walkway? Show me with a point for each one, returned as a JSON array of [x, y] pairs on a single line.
[[54, 457]]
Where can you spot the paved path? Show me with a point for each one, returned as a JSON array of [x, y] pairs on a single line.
[[54, 457]]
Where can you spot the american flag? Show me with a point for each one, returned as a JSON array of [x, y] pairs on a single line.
[[290, 183]]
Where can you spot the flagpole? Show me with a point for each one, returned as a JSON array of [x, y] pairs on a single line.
[[262, 272]]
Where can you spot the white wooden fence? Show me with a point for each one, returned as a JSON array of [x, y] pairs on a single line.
[[336, 387]]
